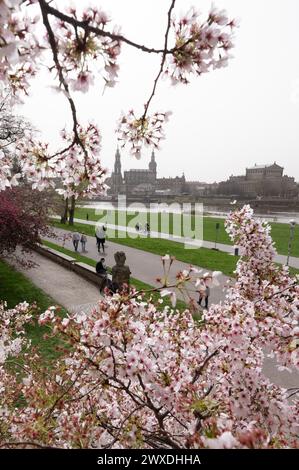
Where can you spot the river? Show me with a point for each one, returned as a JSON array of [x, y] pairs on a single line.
[[211, 211]]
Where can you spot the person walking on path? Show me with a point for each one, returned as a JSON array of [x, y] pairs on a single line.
[[83, 241], [204, 292], [101, 237], [76, 238], [204, 296]]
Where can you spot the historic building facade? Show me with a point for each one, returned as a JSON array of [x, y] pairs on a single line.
[[142, 182], [260, 180]]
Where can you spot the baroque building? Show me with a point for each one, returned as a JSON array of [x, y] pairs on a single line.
[[260, 180], [142, 182]]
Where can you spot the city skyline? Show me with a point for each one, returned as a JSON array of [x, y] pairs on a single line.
[[259, 181], [222, 122], [146, 160]]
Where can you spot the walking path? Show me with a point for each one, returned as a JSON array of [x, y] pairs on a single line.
[[65, 287], [145, 266], [293, 262]]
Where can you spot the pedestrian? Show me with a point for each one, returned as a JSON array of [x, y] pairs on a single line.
[[83, 241], [76, 238], [101, 237], [204, 291], [147, 228], [204, 295]]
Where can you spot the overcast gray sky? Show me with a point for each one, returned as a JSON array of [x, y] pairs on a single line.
[[223, 121]]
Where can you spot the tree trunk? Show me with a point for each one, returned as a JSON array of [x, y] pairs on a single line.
[[64, 216], [72, 210]]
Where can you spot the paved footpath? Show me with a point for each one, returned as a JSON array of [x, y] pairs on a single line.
[[64, 286], [293, 262], [145, 266]]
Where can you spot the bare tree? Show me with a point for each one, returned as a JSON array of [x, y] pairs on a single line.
[[12, 127]]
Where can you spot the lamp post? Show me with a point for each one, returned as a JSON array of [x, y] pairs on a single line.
[[292, 232], [216, 234]]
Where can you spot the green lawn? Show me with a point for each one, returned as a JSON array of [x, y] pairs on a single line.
[[204, 257], [280, 232], [16, 288], [140, 286]]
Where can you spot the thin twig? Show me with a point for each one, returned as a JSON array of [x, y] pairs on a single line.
[[45, 11], [162, 61], [277, 293]]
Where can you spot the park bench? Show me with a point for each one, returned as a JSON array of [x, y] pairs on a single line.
[[82, 269]]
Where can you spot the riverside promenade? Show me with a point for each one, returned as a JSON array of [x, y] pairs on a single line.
[[145, 266], [293, 261]]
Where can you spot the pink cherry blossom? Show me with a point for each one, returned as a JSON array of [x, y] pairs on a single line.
[[134, 372], [146, 131], [81, 171], [81, 51], [83, 82], [139, 367], [199, 46]]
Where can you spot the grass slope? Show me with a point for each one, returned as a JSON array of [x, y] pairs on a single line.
[[16, 288], [280, 232]]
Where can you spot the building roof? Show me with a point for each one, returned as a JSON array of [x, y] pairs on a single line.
[[170, 178], [255, 167], [137, 171]]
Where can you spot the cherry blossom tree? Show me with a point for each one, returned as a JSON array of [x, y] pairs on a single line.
[[12, 128], [137, 376], [137, 373], [83, 44]]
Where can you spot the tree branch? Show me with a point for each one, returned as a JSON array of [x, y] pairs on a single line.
[[97, 31], [162, 61], [200, 369], [45, 11]]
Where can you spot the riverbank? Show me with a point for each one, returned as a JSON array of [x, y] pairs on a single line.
[[182, 225]]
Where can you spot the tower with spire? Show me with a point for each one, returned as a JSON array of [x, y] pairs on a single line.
[[117, 163], [153, 165], [116, 177], [142, 182]]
